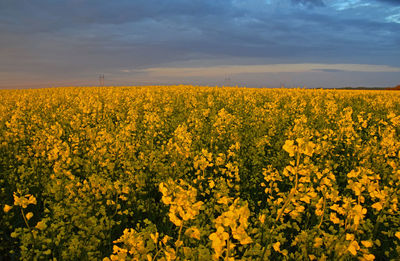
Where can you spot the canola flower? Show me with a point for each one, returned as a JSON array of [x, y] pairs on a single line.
[[199, 173]]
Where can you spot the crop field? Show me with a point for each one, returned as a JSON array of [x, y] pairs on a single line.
[[199, 173]]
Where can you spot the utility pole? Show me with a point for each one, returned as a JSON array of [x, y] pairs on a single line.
[[101, 79], [227, 80]]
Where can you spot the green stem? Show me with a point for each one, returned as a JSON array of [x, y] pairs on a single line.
[[292, 192], [158, 252], [179, 238], [334, 243], [227, 249], [323, 213], [26, 221], [290, 196], [29, 227], [378, 219]]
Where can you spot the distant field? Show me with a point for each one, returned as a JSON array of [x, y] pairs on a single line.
[[199, 173]]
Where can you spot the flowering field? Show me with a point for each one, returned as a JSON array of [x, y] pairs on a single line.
[[199, 173]]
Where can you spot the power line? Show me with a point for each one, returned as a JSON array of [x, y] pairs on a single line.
[[101, 79]]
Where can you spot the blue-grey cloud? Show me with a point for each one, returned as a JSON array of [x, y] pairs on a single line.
[[309, 2], [394, 2], [77, 38], [48, 15], [329, 70]]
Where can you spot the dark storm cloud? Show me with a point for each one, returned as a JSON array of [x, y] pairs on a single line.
[[78, 37], [49, 15]]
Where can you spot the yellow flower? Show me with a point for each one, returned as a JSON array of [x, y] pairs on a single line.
[[353, 174], [163, 189], [170, 254], [154, 237], [41, 225], [246, 240], [166, 200], [7, 208], [24, 201], [368, 257], [309, 148], [262, 218], [193, 232], [377, 206], [224, 200], [334, 218], [277, 246], [211, 183], [218, 239], [397, 234], [318, 242], [289, 147], [359, 213], [125, 189], [353, 247], [182, 200], [366, 243], [174, 219], [178, 243], [165, 239], [29, 215]]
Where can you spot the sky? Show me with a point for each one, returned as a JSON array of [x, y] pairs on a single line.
[[254, 43]]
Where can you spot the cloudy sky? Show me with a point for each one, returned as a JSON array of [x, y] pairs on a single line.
[[313, 43]]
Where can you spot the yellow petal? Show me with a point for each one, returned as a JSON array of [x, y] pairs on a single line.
[[29, 215], [309, 148], [154, 237], [7, 208], [32, 200], [353, 247], [211, 183], [366, 243], [289, 147], [41, 225], [165, 239], [262, 218], [334, 218], [349, 237], [276, 246], [318, 242], [369, 257], [193, 232], [174, 219], [377, 206], [178, 243]]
